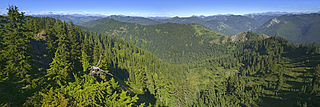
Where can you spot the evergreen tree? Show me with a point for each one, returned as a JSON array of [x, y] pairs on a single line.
[[74, 47], [15, 76], [59, 72], [85, 61]]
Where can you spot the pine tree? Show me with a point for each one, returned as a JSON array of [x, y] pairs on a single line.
[[59, 71], [73, 38], [84, 54], [84, 61], [15, 71]]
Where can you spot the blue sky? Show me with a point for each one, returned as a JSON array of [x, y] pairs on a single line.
[[161, 7]]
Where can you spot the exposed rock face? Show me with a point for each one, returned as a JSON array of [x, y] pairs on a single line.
[[272, 22], [41, 35], [296, 28]]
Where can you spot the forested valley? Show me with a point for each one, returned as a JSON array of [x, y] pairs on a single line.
[[49, 62]]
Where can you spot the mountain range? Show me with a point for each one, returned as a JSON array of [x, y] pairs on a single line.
[[302, 28], [76, 19], [172, 42], [186, 40], [295, 27], [121, 61]]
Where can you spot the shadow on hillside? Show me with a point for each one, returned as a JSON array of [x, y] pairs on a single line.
[[274, 102], [122, 75], [282, 99], [40, 57], [289, 96], [147, 98]]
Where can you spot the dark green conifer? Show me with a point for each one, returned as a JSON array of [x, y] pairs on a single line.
[[15, 68]]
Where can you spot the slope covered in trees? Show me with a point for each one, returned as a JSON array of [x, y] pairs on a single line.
[[225, 24], [172, 42], [47, 62], [295, 28], [130, 19], [53, 69], [262, 18], [76, 19]]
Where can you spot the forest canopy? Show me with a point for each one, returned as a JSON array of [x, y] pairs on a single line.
[[49, 62]]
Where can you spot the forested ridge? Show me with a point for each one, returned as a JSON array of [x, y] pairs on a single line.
[[226, 24], [47, 62], [187, 42], [301, 28]]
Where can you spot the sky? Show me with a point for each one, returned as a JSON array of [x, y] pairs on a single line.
[[166, 8]]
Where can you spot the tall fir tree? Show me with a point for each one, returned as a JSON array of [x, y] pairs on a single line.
[[75, 53], [85, 61], [84, 54], [59, 72], [15, 77]]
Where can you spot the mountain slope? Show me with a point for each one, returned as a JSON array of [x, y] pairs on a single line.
[[170, 41], [295, 28], [262, 18], [247, 37], [130, 19], [76, 19], [241, 23], [47, 62], [64, 59], [226, 24]]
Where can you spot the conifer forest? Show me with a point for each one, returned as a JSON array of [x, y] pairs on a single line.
[[120, 61]]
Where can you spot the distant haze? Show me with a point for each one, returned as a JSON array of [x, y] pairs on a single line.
[[163, 8]]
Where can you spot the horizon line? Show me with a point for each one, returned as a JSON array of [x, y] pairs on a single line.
[[86, 13]]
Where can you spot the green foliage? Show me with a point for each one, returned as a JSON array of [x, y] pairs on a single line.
[[85, 61], [187, 42], [226, 24], [210, 69], [15, 64], [59, 71], [138, 20], [74, 19], [86, 91]]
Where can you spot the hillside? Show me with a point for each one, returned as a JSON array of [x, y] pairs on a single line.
[[247, 37], [226, 24], [238, 22], [262, 18], [48, 62], [265, 66], [172, 42], [138, 20], [76, 19], [54, 63], [295, 28]]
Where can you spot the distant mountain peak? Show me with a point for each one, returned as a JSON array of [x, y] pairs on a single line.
[[267, 13]]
